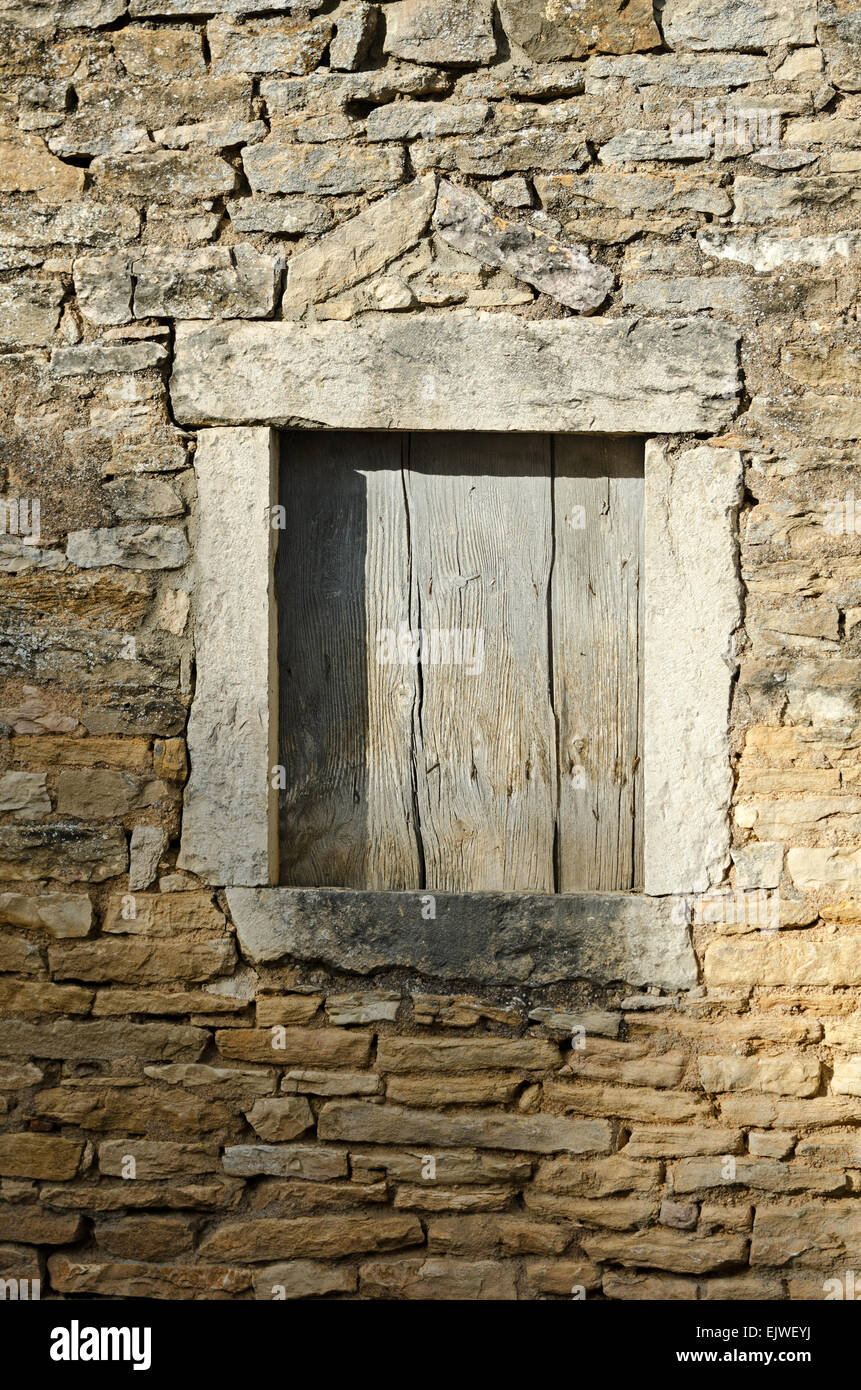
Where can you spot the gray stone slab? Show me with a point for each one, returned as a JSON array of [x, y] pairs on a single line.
[[229, 826], [692, 609], [565, 272], [460, 370], [734, 24], [500, 938]]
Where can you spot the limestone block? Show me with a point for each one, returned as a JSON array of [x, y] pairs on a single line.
[[462, 370], [409, 120], [763, 202], [29, 311], [824, 1235], [289, 215], [274, 1238], [159, 52], [693, 607], [25, 794], [39, 1156], [322, 1047], [437, 1278], [280, 1119], [362, 1122], [765, 251], [73, 223], [721, 70], [67, 852], [102, 794], [846, 1080], [835, 869], [61, 914], [107, 358], [148, 844], [155, 1159], [229, 832], [130, 547], [454, 32], [669, 1141], [142, 962], [27, 166], [163, 174], [499, 937], [304, 1279], [676, 1251], [758, 865], [212, 282], [360, 247], [278, 165], [310, 1162], [134, 1279], [547, 31], [142, 499], [135, 1109], [356, 25], [715, 24], [790, 959], [103, 285], [566, 273], [100, 1041], [267, 45], [787, 1075], [395, 1054]]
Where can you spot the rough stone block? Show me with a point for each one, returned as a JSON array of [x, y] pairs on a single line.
[[547, 32], [362, 1122], [464, 370], [458, 33], [494, 937]]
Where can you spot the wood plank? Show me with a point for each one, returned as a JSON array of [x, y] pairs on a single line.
[[479, 513], [393, 850], [346, 816], [597, 657]]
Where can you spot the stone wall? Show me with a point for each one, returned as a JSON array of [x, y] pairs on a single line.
[[180, 1119]]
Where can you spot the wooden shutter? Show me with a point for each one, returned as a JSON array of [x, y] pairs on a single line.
[[518, 771]]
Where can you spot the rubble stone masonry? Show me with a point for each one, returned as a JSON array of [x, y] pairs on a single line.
[[183, 1116]]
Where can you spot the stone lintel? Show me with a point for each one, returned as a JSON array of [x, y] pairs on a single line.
[[460, 370], [493, 938]]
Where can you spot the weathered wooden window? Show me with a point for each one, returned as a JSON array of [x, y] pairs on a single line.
[[460, 661]]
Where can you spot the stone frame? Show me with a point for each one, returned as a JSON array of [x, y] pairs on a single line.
[[616, 377]]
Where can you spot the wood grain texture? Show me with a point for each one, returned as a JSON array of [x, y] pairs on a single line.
[[597, 661], [480, 536], [459, 652], [393, 851], [345, 719]]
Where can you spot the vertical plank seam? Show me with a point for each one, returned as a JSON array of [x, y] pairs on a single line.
[[637, 837], [416, 728], [551, 675], [273, 670]]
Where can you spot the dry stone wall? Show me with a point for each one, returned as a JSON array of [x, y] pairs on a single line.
[[182, 1118]]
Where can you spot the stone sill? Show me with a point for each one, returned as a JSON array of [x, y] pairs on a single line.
[[495, 938]]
